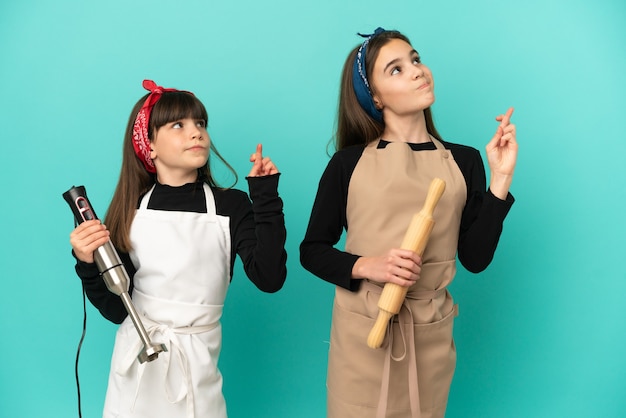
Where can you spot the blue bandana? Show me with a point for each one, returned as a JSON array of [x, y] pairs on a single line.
[[359, 79]]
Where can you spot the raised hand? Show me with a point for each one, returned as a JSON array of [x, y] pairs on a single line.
[[261, 166], [502, 155]]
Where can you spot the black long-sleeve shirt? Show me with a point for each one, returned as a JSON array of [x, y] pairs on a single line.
[[257, 232], [481, 221]]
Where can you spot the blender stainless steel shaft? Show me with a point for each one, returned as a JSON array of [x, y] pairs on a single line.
[[113, 272]]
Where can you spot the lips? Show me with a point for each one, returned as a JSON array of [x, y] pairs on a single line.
[[196, 148]]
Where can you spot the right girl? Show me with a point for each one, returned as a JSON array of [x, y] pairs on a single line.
[[388, 151]]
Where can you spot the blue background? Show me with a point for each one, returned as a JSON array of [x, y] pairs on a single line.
[[541, 333]]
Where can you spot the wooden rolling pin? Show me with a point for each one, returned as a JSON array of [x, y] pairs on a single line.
[[415, 239]]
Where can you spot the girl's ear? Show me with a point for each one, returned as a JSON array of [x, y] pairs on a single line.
[[377, 102]]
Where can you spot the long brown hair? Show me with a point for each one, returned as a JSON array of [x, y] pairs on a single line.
[[354, 125], [134, 180]]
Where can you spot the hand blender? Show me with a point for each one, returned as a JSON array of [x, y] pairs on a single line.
[[112, 270]]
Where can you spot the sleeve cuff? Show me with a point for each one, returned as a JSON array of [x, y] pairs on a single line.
[[86, 270], [263, 187], [498, 205]]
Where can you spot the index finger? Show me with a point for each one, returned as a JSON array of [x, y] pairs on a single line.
[[507, 117]]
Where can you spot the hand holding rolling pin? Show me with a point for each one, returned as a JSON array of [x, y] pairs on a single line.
[[398, 266], [415, 239]]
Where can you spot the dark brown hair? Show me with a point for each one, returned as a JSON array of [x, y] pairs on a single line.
[[354, 125], [134, 180]]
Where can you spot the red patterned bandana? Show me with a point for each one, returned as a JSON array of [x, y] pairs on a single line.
[[141, 142]]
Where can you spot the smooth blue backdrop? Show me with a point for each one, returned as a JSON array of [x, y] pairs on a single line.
[[541, 333]]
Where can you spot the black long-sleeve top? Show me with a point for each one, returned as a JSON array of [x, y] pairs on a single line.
[[257, 232], [481, 220]]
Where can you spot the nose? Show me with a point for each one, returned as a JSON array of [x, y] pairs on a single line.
[[196, 133], [419, 72]]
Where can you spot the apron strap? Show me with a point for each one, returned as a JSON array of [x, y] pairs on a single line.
[[405, 318], [438, 144], [410, 294], [143, 205]]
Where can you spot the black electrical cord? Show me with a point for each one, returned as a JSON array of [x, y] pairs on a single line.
[[80, 344]]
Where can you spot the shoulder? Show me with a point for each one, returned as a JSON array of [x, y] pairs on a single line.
[[349, 153], [346, 159], [470, 163], [464, 155], [226, 195], [341, 165], [460, 148], [230, 201]]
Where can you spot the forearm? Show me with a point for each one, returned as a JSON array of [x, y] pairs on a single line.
[[500, 185], [479, 240], [263, 243], [329, 263]]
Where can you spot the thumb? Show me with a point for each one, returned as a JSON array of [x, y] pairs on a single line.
[[493, 143]]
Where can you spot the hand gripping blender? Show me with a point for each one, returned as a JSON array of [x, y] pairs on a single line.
[[112, 270]]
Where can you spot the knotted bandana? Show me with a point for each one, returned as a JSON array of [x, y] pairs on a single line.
[[141, 141], [359, 79]]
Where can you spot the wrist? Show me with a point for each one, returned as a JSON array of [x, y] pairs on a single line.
[[500, 185], [357, 269]]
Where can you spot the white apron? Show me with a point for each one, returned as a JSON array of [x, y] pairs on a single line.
[[183, 273]]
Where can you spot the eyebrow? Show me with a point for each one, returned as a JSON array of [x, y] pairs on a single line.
[[393, 61]]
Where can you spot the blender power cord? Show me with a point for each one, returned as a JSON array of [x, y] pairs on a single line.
[[80, 344]]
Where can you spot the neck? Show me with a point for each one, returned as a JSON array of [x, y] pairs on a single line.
[[406, 128], [175, 179]]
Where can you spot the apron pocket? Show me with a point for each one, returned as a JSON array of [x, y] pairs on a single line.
[[355, 371], [436, 361]]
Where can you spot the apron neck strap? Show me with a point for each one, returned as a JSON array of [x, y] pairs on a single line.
[[437, 143]]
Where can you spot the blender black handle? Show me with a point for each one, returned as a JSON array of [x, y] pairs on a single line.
[[76, 197]]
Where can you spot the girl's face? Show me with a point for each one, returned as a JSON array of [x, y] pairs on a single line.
[[402, 85], [179, 148]]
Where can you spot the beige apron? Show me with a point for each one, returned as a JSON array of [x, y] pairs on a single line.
[[388, 186], [183, 273]]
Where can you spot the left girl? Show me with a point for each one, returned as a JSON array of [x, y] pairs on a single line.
[[178, 233]]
